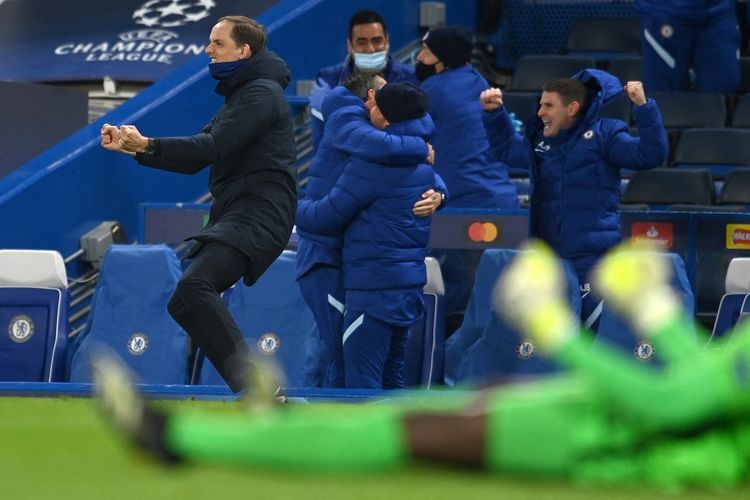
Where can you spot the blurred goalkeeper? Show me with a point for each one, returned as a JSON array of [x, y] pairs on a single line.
[[611, 420]]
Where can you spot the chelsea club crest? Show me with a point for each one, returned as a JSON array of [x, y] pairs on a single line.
[[643, 351], [525, 350], [269, 343], [20, 328], [137, 343]]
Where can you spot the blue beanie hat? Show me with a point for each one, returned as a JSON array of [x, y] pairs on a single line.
[[452, 45], [401, 101]]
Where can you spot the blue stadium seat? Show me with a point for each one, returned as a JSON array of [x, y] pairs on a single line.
[[425, 349], [534, 71], [129, 316], [661, 187], [721, 150], [276, 322], [614, 330], [734, 301], [485, 347], [500, 351], [604, 37], [33, 315]]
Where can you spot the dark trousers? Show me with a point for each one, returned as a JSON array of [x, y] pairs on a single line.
[[323, 291], [196, 305], [374, 352]]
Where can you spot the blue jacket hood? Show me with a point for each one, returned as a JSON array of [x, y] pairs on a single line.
[[422, 127], [338, 98], [602, 89]]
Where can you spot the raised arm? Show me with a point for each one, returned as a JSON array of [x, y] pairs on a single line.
[[508, 146], [651, 148]]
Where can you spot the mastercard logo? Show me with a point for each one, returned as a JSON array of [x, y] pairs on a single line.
[[483, 232]]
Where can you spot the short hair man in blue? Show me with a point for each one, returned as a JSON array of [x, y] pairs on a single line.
[[574, 158], [384, 243], [368, 47], [349, 133]]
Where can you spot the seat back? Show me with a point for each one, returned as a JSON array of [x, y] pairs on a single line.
[[33, 313], [129, 316], [736, 290], [276, 322], [605, 37], [736, 187], [667, 186], [728, 314], [713, 146], [502, 352], [627, 69], [425, 348], [614, 330], [533, 71], [486, 347], [737, 279], [741, 113], [682, 110]]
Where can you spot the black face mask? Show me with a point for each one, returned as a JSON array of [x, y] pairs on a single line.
[[423, 71]]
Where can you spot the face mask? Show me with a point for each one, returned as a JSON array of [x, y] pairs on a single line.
[[375, 61], [223, 70], [423, 71]]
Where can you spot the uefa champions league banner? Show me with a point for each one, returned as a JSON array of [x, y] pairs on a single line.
[[128, 40]]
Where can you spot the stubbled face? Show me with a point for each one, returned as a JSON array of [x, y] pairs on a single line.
[[554, 114], [367, 38], [221, 47], [370, 102]]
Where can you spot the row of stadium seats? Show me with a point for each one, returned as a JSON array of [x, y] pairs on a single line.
[[686, 189], [129, 316], [486, 348], [719, 150], [532, 71]]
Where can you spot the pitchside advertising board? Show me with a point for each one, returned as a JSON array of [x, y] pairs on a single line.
[[128, 40], [707, 242]]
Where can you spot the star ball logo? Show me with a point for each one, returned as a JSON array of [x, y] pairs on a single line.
[[172, 13], [483, 232]]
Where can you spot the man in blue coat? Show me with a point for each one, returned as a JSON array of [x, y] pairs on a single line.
[[473, 176], [384, 243], [574, 158], [348, 133], [368, 46], [679, 35]]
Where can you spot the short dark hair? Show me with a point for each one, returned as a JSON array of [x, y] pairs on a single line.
[[365, 16], [569, 89], [360, 81], [247, 31]]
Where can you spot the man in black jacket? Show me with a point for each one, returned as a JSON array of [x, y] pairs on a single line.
[[250, 146]]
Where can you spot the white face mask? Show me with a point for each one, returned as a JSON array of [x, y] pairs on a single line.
[[375, 61]]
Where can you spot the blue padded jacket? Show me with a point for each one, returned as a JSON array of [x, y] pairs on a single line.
[[462, 153], [384, 243], [575, 196], [349, 134]]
